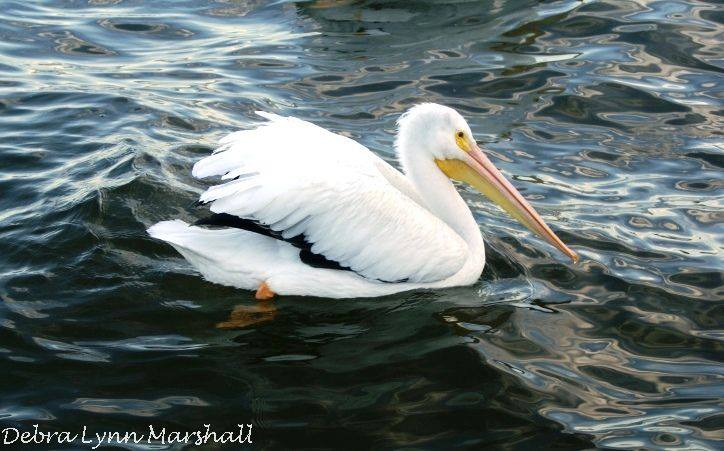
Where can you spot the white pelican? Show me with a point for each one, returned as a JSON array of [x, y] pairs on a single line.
[[304, 211]]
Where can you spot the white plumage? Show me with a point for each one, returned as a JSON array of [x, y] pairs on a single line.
[[394, 232], [331, 190]]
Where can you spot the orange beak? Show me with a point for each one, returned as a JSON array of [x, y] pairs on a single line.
[[479, 172]]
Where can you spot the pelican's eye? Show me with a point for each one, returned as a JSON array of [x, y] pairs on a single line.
[[461, 141]]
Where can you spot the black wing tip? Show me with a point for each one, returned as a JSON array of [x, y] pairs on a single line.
[[309, 258], [224, 220]]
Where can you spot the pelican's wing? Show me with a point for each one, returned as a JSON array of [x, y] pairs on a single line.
[[350, 205]]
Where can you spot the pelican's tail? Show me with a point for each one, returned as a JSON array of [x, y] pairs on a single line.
[[232, 257]]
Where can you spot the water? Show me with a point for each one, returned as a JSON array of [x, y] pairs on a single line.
[[607, 115]]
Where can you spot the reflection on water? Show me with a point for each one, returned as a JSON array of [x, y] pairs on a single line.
[[244, 315], [606, 114]]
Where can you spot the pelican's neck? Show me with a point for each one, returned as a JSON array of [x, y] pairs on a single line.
[[441, 197]]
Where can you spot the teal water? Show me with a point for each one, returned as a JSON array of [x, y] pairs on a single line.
[[607, 115]]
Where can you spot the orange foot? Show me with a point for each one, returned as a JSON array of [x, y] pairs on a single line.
[[264, 293]]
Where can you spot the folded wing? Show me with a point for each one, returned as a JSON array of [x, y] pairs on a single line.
[[350, 205]]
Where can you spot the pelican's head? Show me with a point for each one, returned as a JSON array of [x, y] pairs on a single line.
[[441, 134]]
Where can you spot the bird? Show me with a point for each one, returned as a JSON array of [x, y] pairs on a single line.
[[304, 211]]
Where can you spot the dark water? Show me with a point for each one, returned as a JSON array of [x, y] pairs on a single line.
[[608, 115]]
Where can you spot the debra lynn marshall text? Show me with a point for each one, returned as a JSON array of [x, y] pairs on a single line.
[[157, 435]]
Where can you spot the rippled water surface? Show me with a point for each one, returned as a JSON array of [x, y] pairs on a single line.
[[607, 115]]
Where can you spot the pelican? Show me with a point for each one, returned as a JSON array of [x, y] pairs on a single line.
[[304, 211]]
